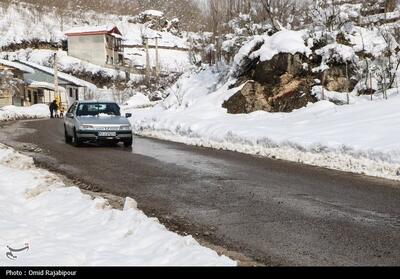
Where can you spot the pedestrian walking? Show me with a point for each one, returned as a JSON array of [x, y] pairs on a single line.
[[53, 108]]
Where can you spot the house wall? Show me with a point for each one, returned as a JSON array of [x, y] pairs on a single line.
[[5, 100], [43, 96], [113, 48], [88, 48], [13, 95]]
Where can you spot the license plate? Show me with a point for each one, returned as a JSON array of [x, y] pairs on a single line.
[[107, 134]]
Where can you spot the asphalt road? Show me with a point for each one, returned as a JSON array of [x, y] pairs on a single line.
[[276, 212]]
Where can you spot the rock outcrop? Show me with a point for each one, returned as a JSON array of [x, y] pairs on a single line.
[[281, 84]]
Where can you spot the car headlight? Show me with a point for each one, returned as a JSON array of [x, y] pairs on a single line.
[[86, 127], [125, 128]]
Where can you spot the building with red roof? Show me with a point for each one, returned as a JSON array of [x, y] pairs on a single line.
[[100, 45]]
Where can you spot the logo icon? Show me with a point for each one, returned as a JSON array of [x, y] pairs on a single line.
[[10, 255]]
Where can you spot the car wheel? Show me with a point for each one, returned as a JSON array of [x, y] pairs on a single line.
[[68, 139], [128, 143], [76, 141]]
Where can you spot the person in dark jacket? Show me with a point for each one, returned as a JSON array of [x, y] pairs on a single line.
[[53, 108]]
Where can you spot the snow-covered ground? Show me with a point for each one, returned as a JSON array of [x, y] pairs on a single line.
[[138, 101], [9, 113], [170, 60], [362, 137], [20, 23], [63, 227]]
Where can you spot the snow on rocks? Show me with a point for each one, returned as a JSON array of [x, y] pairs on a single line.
[[285, 41], [9, 113], [64, 227], [264, 47], [335, 53]]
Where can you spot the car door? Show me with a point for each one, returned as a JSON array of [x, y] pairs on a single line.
[[69, 121]]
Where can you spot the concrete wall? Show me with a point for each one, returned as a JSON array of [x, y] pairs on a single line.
[[88, 48]]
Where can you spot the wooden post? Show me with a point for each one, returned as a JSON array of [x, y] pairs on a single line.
[[157, 60], [384, 86], [191, 50], [323, 88], [347, 83], [147, 61], [370, 85]]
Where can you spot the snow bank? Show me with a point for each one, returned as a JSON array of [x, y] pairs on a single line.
[[137, 101], [9, 113], [64, 227], [361, 137]]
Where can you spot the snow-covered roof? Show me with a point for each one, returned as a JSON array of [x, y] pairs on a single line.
[[17, 65], [50, 86], [94, 30], [74, 80], [154, 13]]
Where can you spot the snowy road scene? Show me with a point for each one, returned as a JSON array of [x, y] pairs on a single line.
[[213, 133]]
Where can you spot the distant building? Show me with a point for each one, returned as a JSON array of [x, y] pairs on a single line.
[[12, 89], [100, 45], [40, 87]]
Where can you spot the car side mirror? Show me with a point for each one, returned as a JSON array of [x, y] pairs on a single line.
[[128, 115], [70, 115]]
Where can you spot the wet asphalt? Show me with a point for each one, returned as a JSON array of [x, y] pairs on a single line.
[[274, 212]]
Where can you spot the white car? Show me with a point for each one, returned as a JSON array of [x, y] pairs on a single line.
[[90, 121]]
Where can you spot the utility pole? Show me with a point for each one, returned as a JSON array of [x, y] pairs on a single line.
[[56, 90]]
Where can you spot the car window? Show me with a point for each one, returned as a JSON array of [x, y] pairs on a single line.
[[72, 108], [98, 109]]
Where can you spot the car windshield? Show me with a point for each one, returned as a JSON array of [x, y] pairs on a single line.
[[98, 109]]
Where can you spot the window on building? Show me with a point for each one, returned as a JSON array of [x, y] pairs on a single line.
[[30, 96], [71, 93]]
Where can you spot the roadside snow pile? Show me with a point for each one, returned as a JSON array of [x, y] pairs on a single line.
[[137, 101], [9, 113], [63, 227], [362, 137]]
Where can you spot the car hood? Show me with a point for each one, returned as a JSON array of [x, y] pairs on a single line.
[[108, 120]]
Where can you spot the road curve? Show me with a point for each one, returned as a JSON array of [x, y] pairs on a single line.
[[276, 212]]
